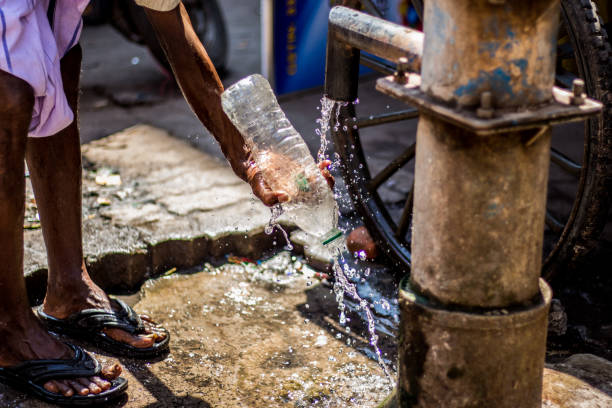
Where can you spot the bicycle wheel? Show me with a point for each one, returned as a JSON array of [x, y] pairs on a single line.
[[572, 227], [584, 51]]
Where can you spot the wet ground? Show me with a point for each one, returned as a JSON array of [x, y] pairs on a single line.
[[247, 335], [243, 337]]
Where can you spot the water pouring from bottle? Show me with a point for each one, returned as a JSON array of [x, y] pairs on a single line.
[[287, 166]]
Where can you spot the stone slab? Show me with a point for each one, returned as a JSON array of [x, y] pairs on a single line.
[[151, 203]]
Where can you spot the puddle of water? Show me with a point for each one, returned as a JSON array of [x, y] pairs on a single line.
[[260, 334]]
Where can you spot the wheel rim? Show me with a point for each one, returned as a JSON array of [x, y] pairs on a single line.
[[368, 202]]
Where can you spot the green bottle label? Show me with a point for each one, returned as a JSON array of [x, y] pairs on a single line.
[[302, 183]]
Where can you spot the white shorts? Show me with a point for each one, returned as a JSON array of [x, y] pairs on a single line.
[[31, 50]]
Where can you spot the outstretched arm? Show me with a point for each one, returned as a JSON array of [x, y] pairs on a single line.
[[202, 88]]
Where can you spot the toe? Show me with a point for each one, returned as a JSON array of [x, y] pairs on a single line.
[[78, 387], [102, 384], [52, 386], [161, 335], [111, 371], [148, 319], [90, 385], [139, 341], [64, 388]]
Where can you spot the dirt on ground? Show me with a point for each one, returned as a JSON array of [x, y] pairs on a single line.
[[247, 335]]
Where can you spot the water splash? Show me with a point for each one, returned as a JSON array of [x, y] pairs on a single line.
[[327, 106], [342, 283], [276, 211], [343, 286]]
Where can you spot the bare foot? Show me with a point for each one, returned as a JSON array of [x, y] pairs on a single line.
[[91, 296], [25, 339]]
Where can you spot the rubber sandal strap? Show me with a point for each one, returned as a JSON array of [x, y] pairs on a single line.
[[89, 325], [41, 371], [94, 320]]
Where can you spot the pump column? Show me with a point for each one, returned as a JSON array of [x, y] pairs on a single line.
[[474, 311]]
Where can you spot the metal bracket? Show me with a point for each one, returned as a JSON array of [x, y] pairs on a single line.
[[559, 110]]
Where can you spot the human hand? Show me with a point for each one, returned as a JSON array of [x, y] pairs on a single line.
[[261, 189], [324, 167], [269, 197]]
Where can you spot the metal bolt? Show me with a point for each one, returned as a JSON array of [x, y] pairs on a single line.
[[400, 74], [485, 111], [578, 96]]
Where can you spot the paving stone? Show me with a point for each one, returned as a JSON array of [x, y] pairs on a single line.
[[561, 390], [174, 207], [592, 369]]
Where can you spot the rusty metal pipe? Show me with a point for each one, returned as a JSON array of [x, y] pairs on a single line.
[[453, 358], [376, 36], [351, 31], [479, 46], [478, 214]]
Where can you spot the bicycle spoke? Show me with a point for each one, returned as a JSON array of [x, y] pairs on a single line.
[[565, 162], [554, 224], [392, 168], [376, 64], [406, 217], [387, 118]]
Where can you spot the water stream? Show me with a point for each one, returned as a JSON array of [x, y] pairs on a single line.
[[345, 276], [276, 211]]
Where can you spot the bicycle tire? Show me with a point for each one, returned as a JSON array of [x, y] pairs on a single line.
[[589, 213]]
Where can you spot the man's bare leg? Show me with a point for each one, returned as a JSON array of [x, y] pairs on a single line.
[[55, 170], [23, 337]]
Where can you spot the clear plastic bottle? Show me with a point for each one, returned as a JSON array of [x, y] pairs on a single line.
[[283, 157]]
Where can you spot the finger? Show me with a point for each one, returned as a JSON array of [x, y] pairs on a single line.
[[263, 192], [110, 372], [103, 384], [324, 164], [52, 386], [324, 167], [329, 178]]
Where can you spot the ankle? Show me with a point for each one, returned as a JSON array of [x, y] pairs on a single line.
[[17, 324], [62, 300], [71, 282]]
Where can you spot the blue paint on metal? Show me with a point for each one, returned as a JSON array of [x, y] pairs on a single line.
[[489, 47], [521, 63], [498, 81]]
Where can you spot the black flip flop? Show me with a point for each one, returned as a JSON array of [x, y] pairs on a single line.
[[29, 377], [87, 325]]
